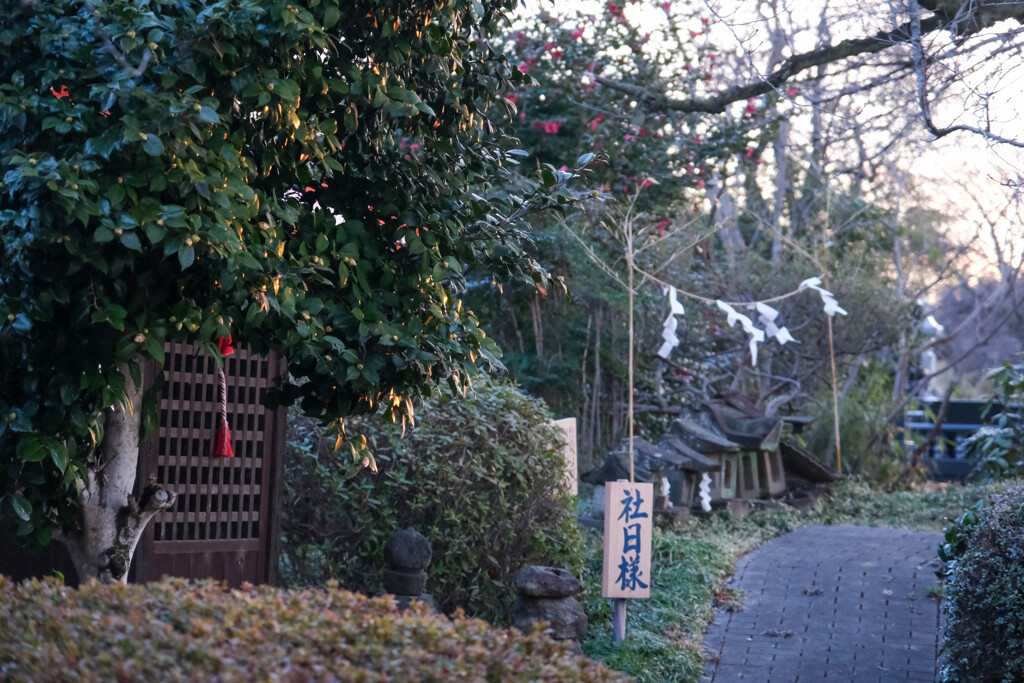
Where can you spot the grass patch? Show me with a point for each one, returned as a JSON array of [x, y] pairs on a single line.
[[690, 561], [928, 506]]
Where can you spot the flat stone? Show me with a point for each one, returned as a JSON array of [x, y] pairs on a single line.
[[566, 617], [408, 549], [547, 582]]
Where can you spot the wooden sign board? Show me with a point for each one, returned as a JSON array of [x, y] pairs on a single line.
[[568, 425], [628, 514]]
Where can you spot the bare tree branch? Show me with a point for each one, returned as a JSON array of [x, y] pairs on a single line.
[[917, 29], [790, 68]]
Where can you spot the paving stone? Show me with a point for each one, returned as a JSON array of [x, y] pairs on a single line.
[[851, 600]]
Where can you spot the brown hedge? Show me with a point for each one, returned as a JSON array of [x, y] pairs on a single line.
[[180, 631]]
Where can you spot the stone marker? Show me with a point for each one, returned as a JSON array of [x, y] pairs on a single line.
[[547, 582], [545, 594], [408, 555]]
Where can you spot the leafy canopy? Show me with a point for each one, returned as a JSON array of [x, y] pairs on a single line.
[[316, 177]]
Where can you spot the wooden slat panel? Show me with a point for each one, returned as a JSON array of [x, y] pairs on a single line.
[[188, 547], [218, 527], [226, 463]]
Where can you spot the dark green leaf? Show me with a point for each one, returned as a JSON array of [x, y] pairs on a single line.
[[20, 505], [152, 145], [186, 255], [31, 449], [155, 349], [21, 323], [59, 456], [131, 241], [208, 115]]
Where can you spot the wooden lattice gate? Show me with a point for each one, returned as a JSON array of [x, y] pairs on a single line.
[[223, 523]]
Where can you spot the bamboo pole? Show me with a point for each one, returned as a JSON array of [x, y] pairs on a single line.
[[629, 262], [835, 395]]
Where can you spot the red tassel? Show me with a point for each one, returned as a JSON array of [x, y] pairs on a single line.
[[222, 444]]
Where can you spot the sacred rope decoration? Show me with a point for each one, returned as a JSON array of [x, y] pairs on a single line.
[[767, 317]]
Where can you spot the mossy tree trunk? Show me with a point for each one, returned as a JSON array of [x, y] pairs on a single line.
[[112, 520]]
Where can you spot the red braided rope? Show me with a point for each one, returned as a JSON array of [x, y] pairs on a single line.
[[222, 442]]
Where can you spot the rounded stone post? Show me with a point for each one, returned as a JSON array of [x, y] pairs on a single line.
[[408, 554]]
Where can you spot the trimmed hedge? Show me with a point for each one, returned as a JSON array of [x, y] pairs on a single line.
[[984, 634], [177, 631], [481, 477]]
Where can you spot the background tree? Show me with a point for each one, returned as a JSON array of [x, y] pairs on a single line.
[[315, 179], [714, 224]]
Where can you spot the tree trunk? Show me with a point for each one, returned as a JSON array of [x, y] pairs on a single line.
[[112, 521]]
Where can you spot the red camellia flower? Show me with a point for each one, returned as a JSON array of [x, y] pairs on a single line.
[[527, 66], [576, 34]]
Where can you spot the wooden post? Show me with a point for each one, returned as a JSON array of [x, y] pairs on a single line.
[[618, 619], [568, 427]]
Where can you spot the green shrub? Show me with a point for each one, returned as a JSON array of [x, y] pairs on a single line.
[[481, 477], [176, 631], [985, 606], [998, 447], [956, 539]]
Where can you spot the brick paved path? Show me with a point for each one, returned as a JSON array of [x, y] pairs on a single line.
[[840, 603]]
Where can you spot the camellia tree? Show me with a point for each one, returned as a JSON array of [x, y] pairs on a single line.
[[311, 177]]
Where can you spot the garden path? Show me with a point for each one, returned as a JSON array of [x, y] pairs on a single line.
[[839, 603]]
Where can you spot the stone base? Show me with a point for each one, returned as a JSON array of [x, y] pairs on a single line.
[[400, 582], [403, 601], [804, 499], [736, 507], [565, 616], [673, 514]]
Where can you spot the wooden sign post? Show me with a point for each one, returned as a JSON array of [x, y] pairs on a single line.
[[568, 427], [628, 514]]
